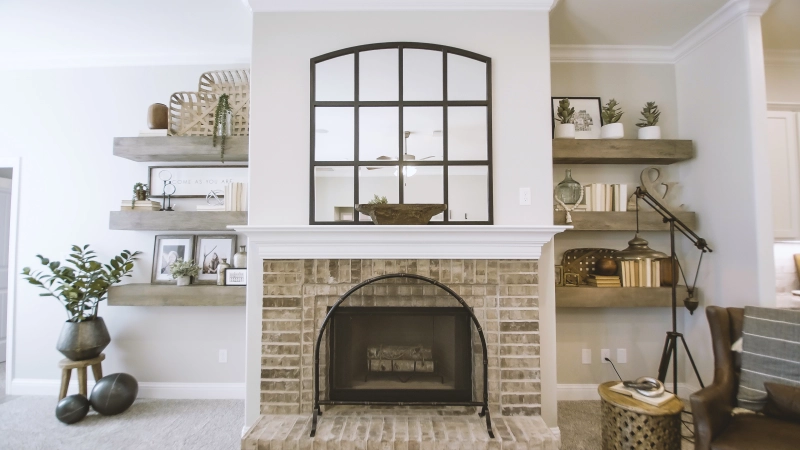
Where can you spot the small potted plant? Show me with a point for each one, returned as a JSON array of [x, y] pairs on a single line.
[[648, 124], [611, 114], [565, 129], [223, 124], [183, 271], [80, 289], [139, 193]]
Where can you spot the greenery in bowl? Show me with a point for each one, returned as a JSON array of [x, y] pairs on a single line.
[[82, 287], [650, 115], [610, 112], [181, 268], [565, 112], [378, 200]]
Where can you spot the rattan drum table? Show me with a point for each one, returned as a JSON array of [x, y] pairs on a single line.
[[629, 424]]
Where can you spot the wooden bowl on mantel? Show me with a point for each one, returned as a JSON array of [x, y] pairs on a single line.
[[409, 214]]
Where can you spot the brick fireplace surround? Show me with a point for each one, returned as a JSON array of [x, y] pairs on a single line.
[[306, 269]]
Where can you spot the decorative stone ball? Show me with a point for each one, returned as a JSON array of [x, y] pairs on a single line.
[[72, 409], [114, 393], [605, 266]]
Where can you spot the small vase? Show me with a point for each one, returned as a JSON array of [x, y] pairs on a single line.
[[221, 268], [240, 258], [565, 131], [569, 190], [650, 132], [83, 340], [184, 280], [141, 196], [612, 131]]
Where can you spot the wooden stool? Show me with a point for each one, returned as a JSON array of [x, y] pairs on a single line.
[[66, 365]]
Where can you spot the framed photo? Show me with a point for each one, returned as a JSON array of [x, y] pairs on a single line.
[[169, 249], [587, 118], [210, 251], [236, 277], [559, 275], [193, 181]]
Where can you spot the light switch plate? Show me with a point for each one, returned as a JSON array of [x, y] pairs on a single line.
[[525, 196], [586, 356], [605, 353], [622, 356]]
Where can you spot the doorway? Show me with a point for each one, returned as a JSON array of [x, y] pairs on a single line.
[[6, 175]]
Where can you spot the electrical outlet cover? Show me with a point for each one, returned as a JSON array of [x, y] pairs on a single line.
[[622, 356], [605, 353], [586, 356]]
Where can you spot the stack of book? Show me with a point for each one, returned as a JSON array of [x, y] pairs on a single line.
[[641, 273], [606, 197], [604, 281], [211, 207], [140, 205], [236, 197], [152, 133]]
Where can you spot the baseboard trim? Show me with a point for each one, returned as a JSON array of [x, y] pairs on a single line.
[[207, 391], [572, 392]]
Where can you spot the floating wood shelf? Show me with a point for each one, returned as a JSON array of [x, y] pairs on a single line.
[[176, 220], [621, 151], [172, 295], [629, 297], [620, 221], [179, 148]]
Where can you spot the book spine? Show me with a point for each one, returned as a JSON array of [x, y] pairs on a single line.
[[623, 197], [587, 194], [648, 276]]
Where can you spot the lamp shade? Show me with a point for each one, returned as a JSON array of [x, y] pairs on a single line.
[[638, 248]]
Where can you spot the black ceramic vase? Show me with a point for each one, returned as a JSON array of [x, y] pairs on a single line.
[[83, 340]]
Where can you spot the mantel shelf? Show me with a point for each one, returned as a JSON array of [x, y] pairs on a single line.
[[621, 151], [175, 220], [180, 148], [621, 221], [623, 297], [172, 295]]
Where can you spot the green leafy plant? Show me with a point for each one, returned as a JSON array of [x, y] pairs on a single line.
[[181, 268], [650, 114], [565, 112], [221, 124], [610, 112], [137, 188], [83, 286], [378, 200]]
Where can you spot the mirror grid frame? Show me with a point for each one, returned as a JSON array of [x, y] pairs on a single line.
[[356, 163]]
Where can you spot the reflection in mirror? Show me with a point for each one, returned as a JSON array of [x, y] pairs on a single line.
[[468, 192], [333, 134], [466, 78], [378, 75], [423, 133], [380, 181], [333, 194], [378, 133], [422, 75], [426, 185], [335, 79], [467, 135]]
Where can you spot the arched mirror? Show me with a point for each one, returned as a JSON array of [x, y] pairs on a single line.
[[408, 121]]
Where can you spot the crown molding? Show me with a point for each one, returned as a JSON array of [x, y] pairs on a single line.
[[620, 54], [399, 5], [782, 57]]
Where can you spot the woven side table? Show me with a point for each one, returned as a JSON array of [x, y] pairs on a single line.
[[629, 424]]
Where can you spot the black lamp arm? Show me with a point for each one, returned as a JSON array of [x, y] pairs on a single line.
[[669, 217]]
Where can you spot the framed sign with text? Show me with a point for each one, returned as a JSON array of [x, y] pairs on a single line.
[[194, 181]]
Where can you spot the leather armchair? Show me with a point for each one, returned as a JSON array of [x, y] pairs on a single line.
[[714, 426]]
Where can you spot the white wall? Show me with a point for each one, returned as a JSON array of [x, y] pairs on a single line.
[[783, 83], [61, 125], [517, 42], [728, 181]]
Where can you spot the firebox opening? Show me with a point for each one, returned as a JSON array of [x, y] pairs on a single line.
[[400, 354]]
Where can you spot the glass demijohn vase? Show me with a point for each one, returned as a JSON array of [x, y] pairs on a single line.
[[569, 190]]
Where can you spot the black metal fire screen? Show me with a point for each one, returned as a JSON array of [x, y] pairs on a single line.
[[484, 404]]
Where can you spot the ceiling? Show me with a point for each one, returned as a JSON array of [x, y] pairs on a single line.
[[780, 25], [629, 22]]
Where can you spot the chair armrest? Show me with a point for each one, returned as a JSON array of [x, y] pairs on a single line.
[[711, 408]]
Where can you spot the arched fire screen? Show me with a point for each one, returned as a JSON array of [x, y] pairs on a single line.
[[405, 362]]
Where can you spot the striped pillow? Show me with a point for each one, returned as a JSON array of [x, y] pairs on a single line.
[[771, 353]]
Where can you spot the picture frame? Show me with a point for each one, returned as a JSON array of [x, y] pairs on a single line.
[[210, 251], [559, 272], [194, 181], [587, 117], [236, 277], [168, 249]]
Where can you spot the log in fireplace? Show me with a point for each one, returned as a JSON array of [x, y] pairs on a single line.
[[400, 355]]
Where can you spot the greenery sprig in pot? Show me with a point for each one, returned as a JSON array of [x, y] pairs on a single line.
[[648, 124], [565, 129], [139, 193], [223, 124], [611, 114], [183, 271], [80, 289]]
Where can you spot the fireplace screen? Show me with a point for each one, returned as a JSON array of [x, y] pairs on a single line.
[[400, 355]]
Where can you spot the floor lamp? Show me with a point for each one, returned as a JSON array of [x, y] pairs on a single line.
[[638, 249]]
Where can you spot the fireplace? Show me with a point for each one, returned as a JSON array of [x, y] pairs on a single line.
[[397, 354]]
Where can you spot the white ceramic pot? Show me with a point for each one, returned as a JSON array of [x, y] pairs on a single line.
[[612, 131], [565, 131], [184, 280], [650, 132]]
